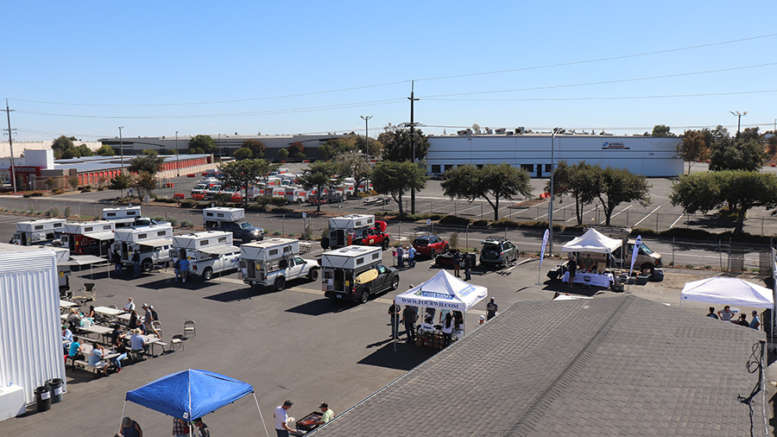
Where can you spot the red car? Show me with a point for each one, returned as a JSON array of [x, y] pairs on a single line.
[[430, 245]]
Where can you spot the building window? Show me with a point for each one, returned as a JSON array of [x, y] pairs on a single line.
[[436, 168], [527, 167], [448, 167], [548, 168]]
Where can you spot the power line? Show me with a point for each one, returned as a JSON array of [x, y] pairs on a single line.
[[587, 98]]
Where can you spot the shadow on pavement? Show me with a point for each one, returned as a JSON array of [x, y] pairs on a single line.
[[172, 283], [406, 357], [233, 295], [316, 308], [126, 276]]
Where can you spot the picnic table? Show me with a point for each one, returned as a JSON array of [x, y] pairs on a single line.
[[108, 311], [66, 304], [102, 331], [148, 340]]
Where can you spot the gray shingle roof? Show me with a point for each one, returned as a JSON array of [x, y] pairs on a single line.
[[610, 366]]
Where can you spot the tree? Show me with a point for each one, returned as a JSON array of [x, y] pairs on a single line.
[[144, 183], [61, 144], [771, 145], [202, 144], [580, 181], [397, 145], [491, 182], [319, 176], [148, 162], [72, 180], [396, 178], [370, 146], [296, 150], [354, 165], [694, 146], [661, 130], [615, 186], [105, 150], [243, 153], [283, 155], [737, 190], [337, 146], [242, 174], [84, 150], [257, 148], [121, 182], [737, 154]]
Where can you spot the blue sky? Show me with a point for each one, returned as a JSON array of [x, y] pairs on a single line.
[[282, 67]]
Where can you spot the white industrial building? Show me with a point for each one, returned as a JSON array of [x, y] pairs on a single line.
[[647, 156]]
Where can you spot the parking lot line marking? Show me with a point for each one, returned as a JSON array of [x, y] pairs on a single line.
[[555, 211], [616, 214], [574, 217], [676, 220], [649, 214]]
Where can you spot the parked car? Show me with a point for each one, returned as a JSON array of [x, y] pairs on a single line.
[[498, 253], [447, 260], [430, 245]]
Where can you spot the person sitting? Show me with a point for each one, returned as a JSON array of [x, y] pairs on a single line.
[[712, 314], [96, 359], [137, 343], [91, 314], [130, 428], [73, 319], [743, 321], [726, 314], [116, 335], [67, 337], [74, 353], [327, 414], [458, 321], [447, 328], [121, 349], [428, 324]]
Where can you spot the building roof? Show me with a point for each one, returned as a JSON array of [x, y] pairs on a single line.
[[617, 365], [96, 163]]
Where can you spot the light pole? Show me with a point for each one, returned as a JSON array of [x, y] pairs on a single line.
[[121, 151], [366, 119], [739, 116], [550, 211], [177, 162]]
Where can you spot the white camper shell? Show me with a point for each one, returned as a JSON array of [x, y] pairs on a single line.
[[207, 252], [341, 266], [222, 214], [36, 232], [352, 222], [152, 243], [122, 216], [273, 262], [88, 238]]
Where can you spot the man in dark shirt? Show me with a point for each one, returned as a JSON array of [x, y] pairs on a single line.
[[394, 312], [712, 314], [409, 317], [572, 266], [491, 309]]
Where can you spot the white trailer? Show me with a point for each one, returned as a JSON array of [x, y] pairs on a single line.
[[89, 238], [211, 216], [352, 222], [36, 232], [278, 192], [207, 252], [151, 243], [273, 262], [122, 216]]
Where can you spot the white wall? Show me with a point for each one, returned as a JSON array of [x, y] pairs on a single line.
[[31, 350]]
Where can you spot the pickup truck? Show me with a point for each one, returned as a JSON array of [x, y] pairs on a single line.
[[294, 267]]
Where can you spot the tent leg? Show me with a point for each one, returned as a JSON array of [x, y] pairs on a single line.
[[121, 419], [264, 425]]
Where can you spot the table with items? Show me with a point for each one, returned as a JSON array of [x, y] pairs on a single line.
[[595, 279]]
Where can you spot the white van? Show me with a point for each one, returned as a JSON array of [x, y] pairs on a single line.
[[152, 244], [208, 252], [273, 262]]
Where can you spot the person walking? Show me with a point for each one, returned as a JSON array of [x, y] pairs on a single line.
[[116, 260], [491, 309], [409, 318], [394, 312], [280, 416], [457, 263], [467, 267]]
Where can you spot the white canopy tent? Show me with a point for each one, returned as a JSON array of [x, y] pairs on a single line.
[[592, 241], [728, 291]]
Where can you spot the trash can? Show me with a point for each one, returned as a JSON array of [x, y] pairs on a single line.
[[43, 398], [56, 389]]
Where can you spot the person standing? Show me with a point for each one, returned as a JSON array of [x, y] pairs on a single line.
[[400, 257], [280, 415], [411, 256], [409, 317], [491, 309], [116, 260], [183, 266], [467, 267], [726, 315], [136, 262], [755, 322], [201, 428], [130, 305], [180, 428], [712, 314], [130, 428], [457, 263], [394, 312], [572, 267]]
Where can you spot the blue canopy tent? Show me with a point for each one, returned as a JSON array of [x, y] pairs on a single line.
[[191, 394]]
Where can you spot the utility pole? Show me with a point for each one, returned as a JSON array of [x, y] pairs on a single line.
[[121, 151], [10, 143], [739, 116], [552, 172], [366, 119], [412, 141], [177, 161]]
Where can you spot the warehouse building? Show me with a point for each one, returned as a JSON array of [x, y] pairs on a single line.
[[647, 156]]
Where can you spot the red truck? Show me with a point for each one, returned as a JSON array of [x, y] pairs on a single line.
[[356, 229]]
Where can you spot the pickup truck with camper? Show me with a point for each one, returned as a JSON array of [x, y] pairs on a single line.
[[152, 243], [273, 262], [208, 252], [126, 217], [356, 229], [356, 273], [88, 238], [38, 232], [231, 220]]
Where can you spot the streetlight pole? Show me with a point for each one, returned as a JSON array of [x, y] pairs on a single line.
[[121, 151], [552, 173], [177, 162], [366, 119], [412, 142], [739, 116], [10, 144]]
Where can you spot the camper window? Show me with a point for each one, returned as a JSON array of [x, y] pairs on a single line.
[[142, 236], [110, 214], [107, 228], [220, 215], [273, 252], [57, 225], [38, 227], [161, 233], [375, 255], [222, 239], [132, 212], [204, 243], [287, 249], [88, 229], [359, 261]]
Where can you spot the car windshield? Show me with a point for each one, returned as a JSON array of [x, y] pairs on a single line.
[[420, 242], [246, 225], [646, 250]]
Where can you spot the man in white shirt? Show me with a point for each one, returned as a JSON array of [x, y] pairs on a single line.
[[281, 427], [130, 305]]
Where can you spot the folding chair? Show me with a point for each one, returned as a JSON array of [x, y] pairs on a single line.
[[177, 341], [190, 326]]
